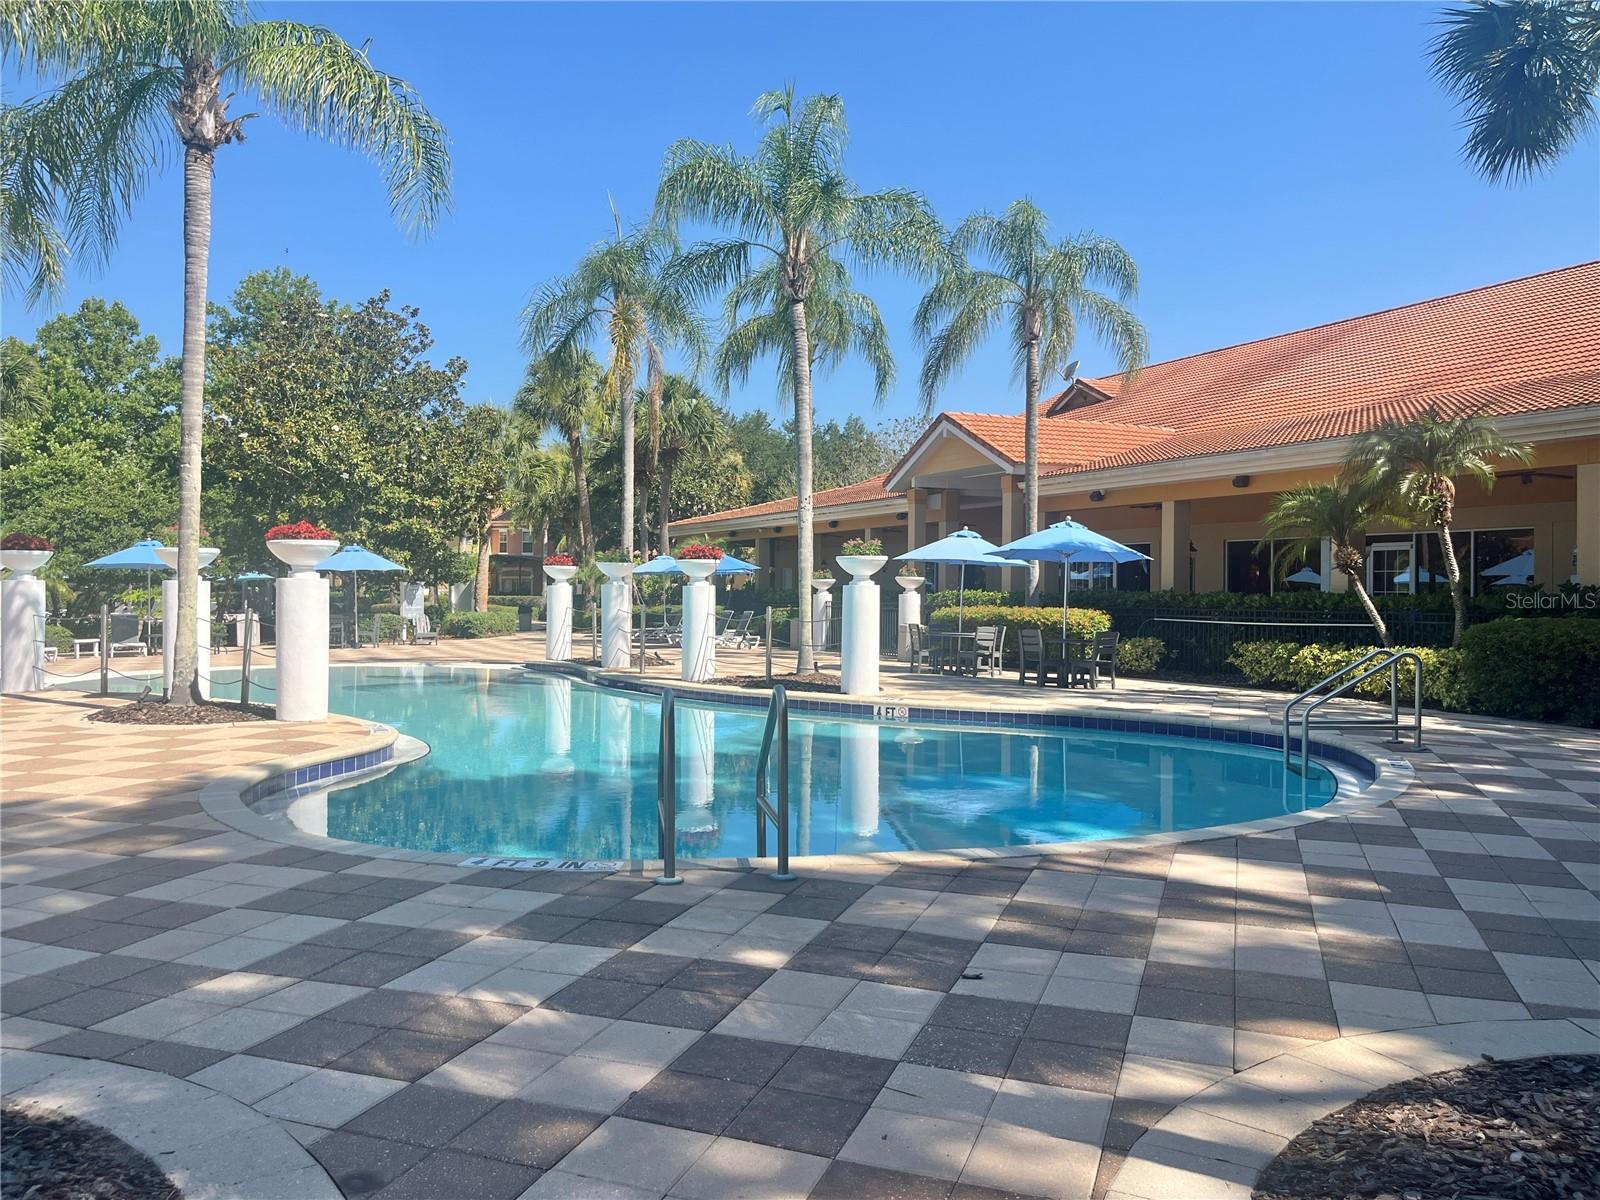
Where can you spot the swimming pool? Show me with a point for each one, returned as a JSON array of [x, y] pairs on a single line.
[[535, 765]]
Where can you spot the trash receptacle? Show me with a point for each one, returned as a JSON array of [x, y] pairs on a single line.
[[524, 618]]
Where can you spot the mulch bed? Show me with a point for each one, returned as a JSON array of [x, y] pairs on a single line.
[[50, 1156], [817, 681], [1527, 1129], [153, 711]]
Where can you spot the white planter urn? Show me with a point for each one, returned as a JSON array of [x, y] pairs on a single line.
[[698, 569], [208, 555], [22, 612], [821, 611], [558, 612], [302, 554], [861, 566], [822, 585], [560, 573], [909, 610], [615, 571]]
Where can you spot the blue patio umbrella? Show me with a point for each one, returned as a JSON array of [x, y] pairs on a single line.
[[355, 559], [1068, 542], [963, 549], [729, 565], [661, 564], [141, 556]]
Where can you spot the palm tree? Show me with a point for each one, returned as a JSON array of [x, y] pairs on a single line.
[[539, 486], [1414, 465], [1525, 74], [1043, 290], [791, 206], [565, 393], [1340, 512], [618, 290], [75, 159], [691, 426]]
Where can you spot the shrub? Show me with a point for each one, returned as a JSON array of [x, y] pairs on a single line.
[[1291, 665], [1538, 668], [868, 546], [24, 541], [558, 560], [699, 552], [950, 597], [1140, 655], [299, 531], [1082, 622], [494, 623], [57, 636]]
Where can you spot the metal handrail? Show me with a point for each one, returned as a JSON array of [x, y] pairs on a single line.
[[775, 734], [667, 790], [1391, 660]]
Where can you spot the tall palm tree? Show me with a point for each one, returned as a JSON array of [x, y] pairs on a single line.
[[1006, 268], [618, 292], [565, 393], [690, 426], [1414, 465], [539, 487], [125, 78], [791, 206], [1340, 512], [1526, 74]]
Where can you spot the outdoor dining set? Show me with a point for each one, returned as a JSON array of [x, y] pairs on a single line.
[[1068, 661]]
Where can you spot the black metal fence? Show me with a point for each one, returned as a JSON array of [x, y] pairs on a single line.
[[1199, 641]]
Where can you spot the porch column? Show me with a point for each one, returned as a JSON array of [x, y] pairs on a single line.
[[1172, 560], [1588, 526], [764, 561], [949, 522], [1012, 526]]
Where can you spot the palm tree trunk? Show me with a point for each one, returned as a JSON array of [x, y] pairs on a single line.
[[664, 502], [580, 480], [197, 167], [653, 385], [1452, 570], [1030, 458], [806, 514], [1373, 615], [480, 597]]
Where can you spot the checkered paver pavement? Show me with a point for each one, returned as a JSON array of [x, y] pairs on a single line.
[[922, 1026]]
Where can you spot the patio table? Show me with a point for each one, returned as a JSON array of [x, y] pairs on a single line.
[[950, 648], [81, 644], [1066, 649]]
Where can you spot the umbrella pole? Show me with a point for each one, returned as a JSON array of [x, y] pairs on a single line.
[[355, 604], [961, 599], [1066, 582]]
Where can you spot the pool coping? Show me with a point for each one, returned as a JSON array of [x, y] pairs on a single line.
[[228, 797]]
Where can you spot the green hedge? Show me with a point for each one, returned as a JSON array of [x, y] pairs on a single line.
[[1140, 655], [1084, 622], [60, 637], [1536, 668], [1291, 665], [516, 601], [497, 622]]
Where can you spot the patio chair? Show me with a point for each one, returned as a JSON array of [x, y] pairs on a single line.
[[734, 634], [422, 631], [989, 656], [1100, 660], [984, 651], [922, 651], [1031, 657], [125, 635]]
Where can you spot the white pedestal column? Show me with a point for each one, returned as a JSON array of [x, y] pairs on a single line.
[[22, 604], [616, 626], [699, 631], [821, 615], [859, 774], [558, 718], [202, 634], [697, 749], [909, 612], [558, 622], [303, 647], [858, 650]]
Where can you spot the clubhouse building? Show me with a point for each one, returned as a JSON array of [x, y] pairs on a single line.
[[1184, 462]]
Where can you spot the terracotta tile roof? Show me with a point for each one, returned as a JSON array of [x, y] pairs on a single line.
[[1493, 344], [855, 493], [1060, 441]]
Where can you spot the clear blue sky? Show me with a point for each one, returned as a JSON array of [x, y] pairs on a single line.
[[1269, 166]]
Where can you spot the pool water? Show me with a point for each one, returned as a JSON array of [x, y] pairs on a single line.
[[536, 765]]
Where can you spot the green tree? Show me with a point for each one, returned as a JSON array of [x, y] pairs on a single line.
[[1525, 74], [480, 475], [768, 454], [691, 430], [565, 394], [618, 292], [1414, 465], [1006, 269], [1340, 512], [125, 78], [792, 205], [540, 486]]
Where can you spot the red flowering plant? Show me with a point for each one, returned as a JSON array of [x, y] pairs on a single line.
[[559, 560], [303, 531], [699, 552], [23, 541]]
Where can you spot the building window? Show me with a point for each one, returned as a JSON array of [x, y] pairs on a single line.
[[505, 541], [1134, 576], [1501, 558], [526, 538], [1409, 563], [1255, 570]]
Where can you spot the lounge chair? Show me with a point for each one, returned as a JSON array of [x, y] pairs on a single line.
[[734, 634]]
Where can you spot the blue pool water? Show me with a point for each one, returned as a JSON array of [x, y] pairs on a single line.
[[534, 765]]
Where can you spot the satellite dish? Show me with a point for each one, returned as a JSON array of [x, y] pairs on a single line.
[[1071, 373]]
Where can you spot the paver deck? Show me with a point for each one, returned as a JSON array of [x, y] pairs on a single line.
[[431, 1030]]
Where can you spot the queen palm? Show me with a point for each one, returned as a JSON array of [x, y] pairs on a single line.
[[1526, 74], [124, 79], [618, 292], [1415, 465], [565, 394], [791, 208], [1339, 512], [1006, 269]]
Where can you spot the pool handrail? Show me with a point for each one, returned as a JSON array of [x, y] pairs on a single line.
[[1389, 660], [775, 736]]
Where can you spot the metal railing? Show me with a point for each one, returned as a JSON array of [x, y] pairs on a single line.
[[1388, 660], [774, 747]]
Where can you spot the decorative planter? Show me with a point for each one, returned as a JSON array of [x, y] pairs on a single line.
[[302, 554], [559, 573], [822, 585], [910, 583], [697, 569], [615, 571], [208, 555], [861, 566], [23, 563]]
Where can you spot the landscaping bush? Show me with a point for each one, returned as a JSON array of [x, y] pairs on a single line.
[[1140, 655], [497, 622], [60, 637], [1537, 668], [514, 601], [950, 597], [1082, 622], [1296, 667]]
